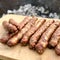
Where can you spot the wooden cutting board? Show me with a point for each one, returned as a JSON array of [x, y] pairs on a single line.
[[22, 53]]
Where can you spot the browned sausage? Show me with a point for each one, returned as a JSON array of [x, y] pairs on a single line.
[[21, 24], [43, 41], [13, 22], [6, 37], [29, 33], [55, 38], [9, 27], [57, 49], [38, 33], [17, 37], [6, 25]]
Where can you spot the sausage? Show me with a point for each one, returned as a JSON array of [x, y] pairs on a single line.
[[57, 49], [43, 41], [6, 37], [55, 38], [30, 32], [13, 22], [38, 33], [15, 39], [9, 27], [21, 24]]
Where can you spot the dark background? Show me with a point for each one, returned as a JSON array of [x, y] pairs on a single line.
[[53, 5]]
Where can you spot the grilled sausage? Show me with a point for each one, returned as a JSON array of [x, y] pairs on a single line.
[[43, 41], [13, 22], [55, 38], [29, 33], [6, 37], [9, 27], [21, 24], [57, 49], [39, 32], [17, 37]]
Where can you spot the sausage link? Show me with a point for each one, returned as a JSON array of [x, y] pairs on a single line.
[[39, 32], [30, 32], [13, 22], [21, 24], [13, 41], [55, 38], [57, 49], [9, 27], [6, 37], [43, 41]]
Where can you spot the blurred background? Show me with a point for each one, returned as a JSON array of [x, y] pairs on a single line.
[[44, 8]]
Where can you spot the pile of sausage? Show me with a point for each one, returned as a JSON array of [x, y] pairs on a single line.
[[37, 33]]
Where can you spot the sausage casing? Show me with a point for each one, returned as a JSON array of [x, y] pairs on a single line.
[[43, 41], [55, 38], [39, 32], [30, 32], [9, 27], [15, 39], [57, 49]]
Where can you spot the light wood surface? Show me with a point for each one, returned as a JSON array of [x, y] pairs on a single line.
[[22, 53]]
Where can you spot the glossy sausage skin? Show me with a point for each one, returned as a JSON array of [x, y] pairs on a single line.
[[9, 27], [6, 37], [13, 22], [39, 32], [30, 32], [55, 38], [57, 49], [43, 41]]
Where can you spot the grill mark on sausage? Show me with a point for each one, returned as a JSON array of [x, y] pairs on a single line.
[[15, 39], [30, 32], [39, 32], [43, 41], [57, 49], [55, 38], [12, 27]]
